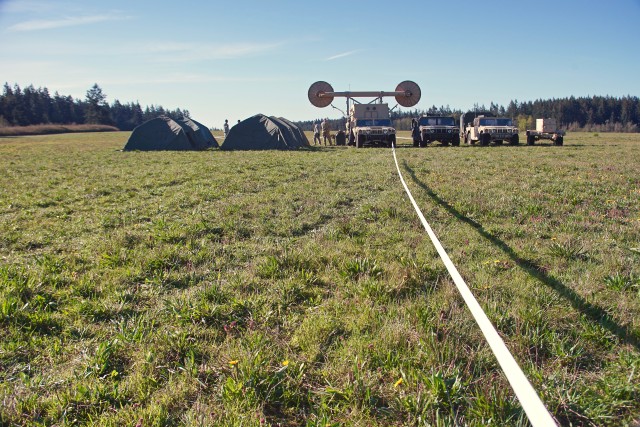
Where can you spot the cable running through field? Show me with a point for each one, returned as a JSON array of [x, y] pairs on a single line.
[[534, 408]]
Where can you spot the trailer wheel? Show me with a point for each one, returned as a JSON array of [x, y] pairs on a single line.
[[559, 141], [531, 139]]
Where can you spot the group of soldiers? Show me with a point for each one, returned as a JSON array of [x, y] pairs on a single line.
[[325, 129]]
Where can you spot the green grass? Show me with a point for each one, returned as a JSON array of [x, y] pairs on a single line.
[[299, 288]]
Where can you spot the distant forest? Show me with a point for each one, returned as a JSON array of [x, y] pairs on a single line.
[[31, 106]]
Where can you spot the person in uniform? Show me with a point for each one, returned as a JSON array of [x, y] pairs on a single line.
[[316, 134]]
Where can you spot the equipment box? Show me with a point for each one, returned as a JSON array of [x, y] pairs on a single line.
[[546, 125]]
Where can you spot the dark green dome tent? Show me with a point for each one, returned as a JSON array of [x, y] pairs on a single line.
[[261, 132], [164, 133], [199, 135], [296, 129]]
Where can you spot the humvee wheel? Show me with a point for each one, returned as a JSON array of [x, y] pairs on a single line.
[[455, 142], [485, 139], [531, 139], [359, 141], [515, 139], [559, 141]]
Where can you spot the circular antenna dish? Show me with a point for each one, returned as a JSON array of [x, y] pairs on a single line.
[[411, 93], [321, 88]]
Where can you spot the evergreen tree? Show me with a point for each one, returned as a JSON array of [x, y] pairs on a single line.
[[97, 109]]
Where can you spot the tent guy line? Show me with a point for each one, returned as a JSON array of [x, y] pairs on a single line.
[[537, 413]]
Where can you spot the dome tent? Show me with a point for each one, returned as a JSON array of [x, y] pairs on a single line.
[[296, 130], [199, 135], [261, 132], [164, 133]]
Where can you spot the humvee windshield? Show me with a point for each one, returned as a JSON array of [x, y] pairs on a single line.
[[437, 121], [495, 122], [373, 122]]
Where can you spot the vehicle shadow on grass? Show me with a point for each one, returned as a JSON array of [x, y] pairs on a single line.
[[593, 312]]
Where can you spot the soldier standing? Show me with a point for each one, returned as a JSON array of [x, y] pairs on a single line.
[[316, 134], [225, 127], [326, 131]]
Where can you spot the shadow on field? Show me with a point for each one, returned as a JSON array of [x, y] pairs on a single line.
[[592, 311]]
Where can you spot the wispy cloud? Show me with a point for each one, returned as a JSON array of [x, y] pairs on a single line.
[[70, 21], [30, 6], [342, 55], [180, 52], [180, 79], [145, 52]]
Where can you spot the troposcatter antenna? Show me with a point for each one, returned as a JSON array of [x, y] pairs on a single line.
[[318, 94], [321, 94], [409, 93]]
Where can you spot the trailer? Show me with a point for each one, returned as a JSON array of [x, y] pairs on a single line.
[[545, 129]]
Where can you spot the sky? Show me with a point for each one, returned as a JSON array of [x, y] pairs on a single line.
[[233, 59]]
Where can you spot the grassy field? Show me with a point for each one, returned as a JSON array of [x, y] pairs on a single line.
[[53, 129], [299, 288]]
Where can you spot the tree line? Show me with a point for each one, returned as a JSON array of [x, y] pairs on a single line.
[[35, 106], [596, 113]]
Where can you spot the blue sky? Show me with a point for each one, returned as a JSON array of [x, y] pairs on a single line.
[[233, 59]]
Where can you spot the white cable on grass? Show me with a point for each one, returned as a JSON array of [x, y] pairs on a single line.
[[534, 408]]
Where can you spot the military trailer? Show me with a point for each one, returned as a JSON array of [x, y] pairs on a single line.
[[545, 129], [428, 129], [490, 129], [370, 125]]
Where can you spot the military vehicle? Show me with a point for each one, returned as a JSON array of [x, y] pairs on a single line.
[[370, 124], [490, 129], [435, 128], [367, 124], [545, 129]]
